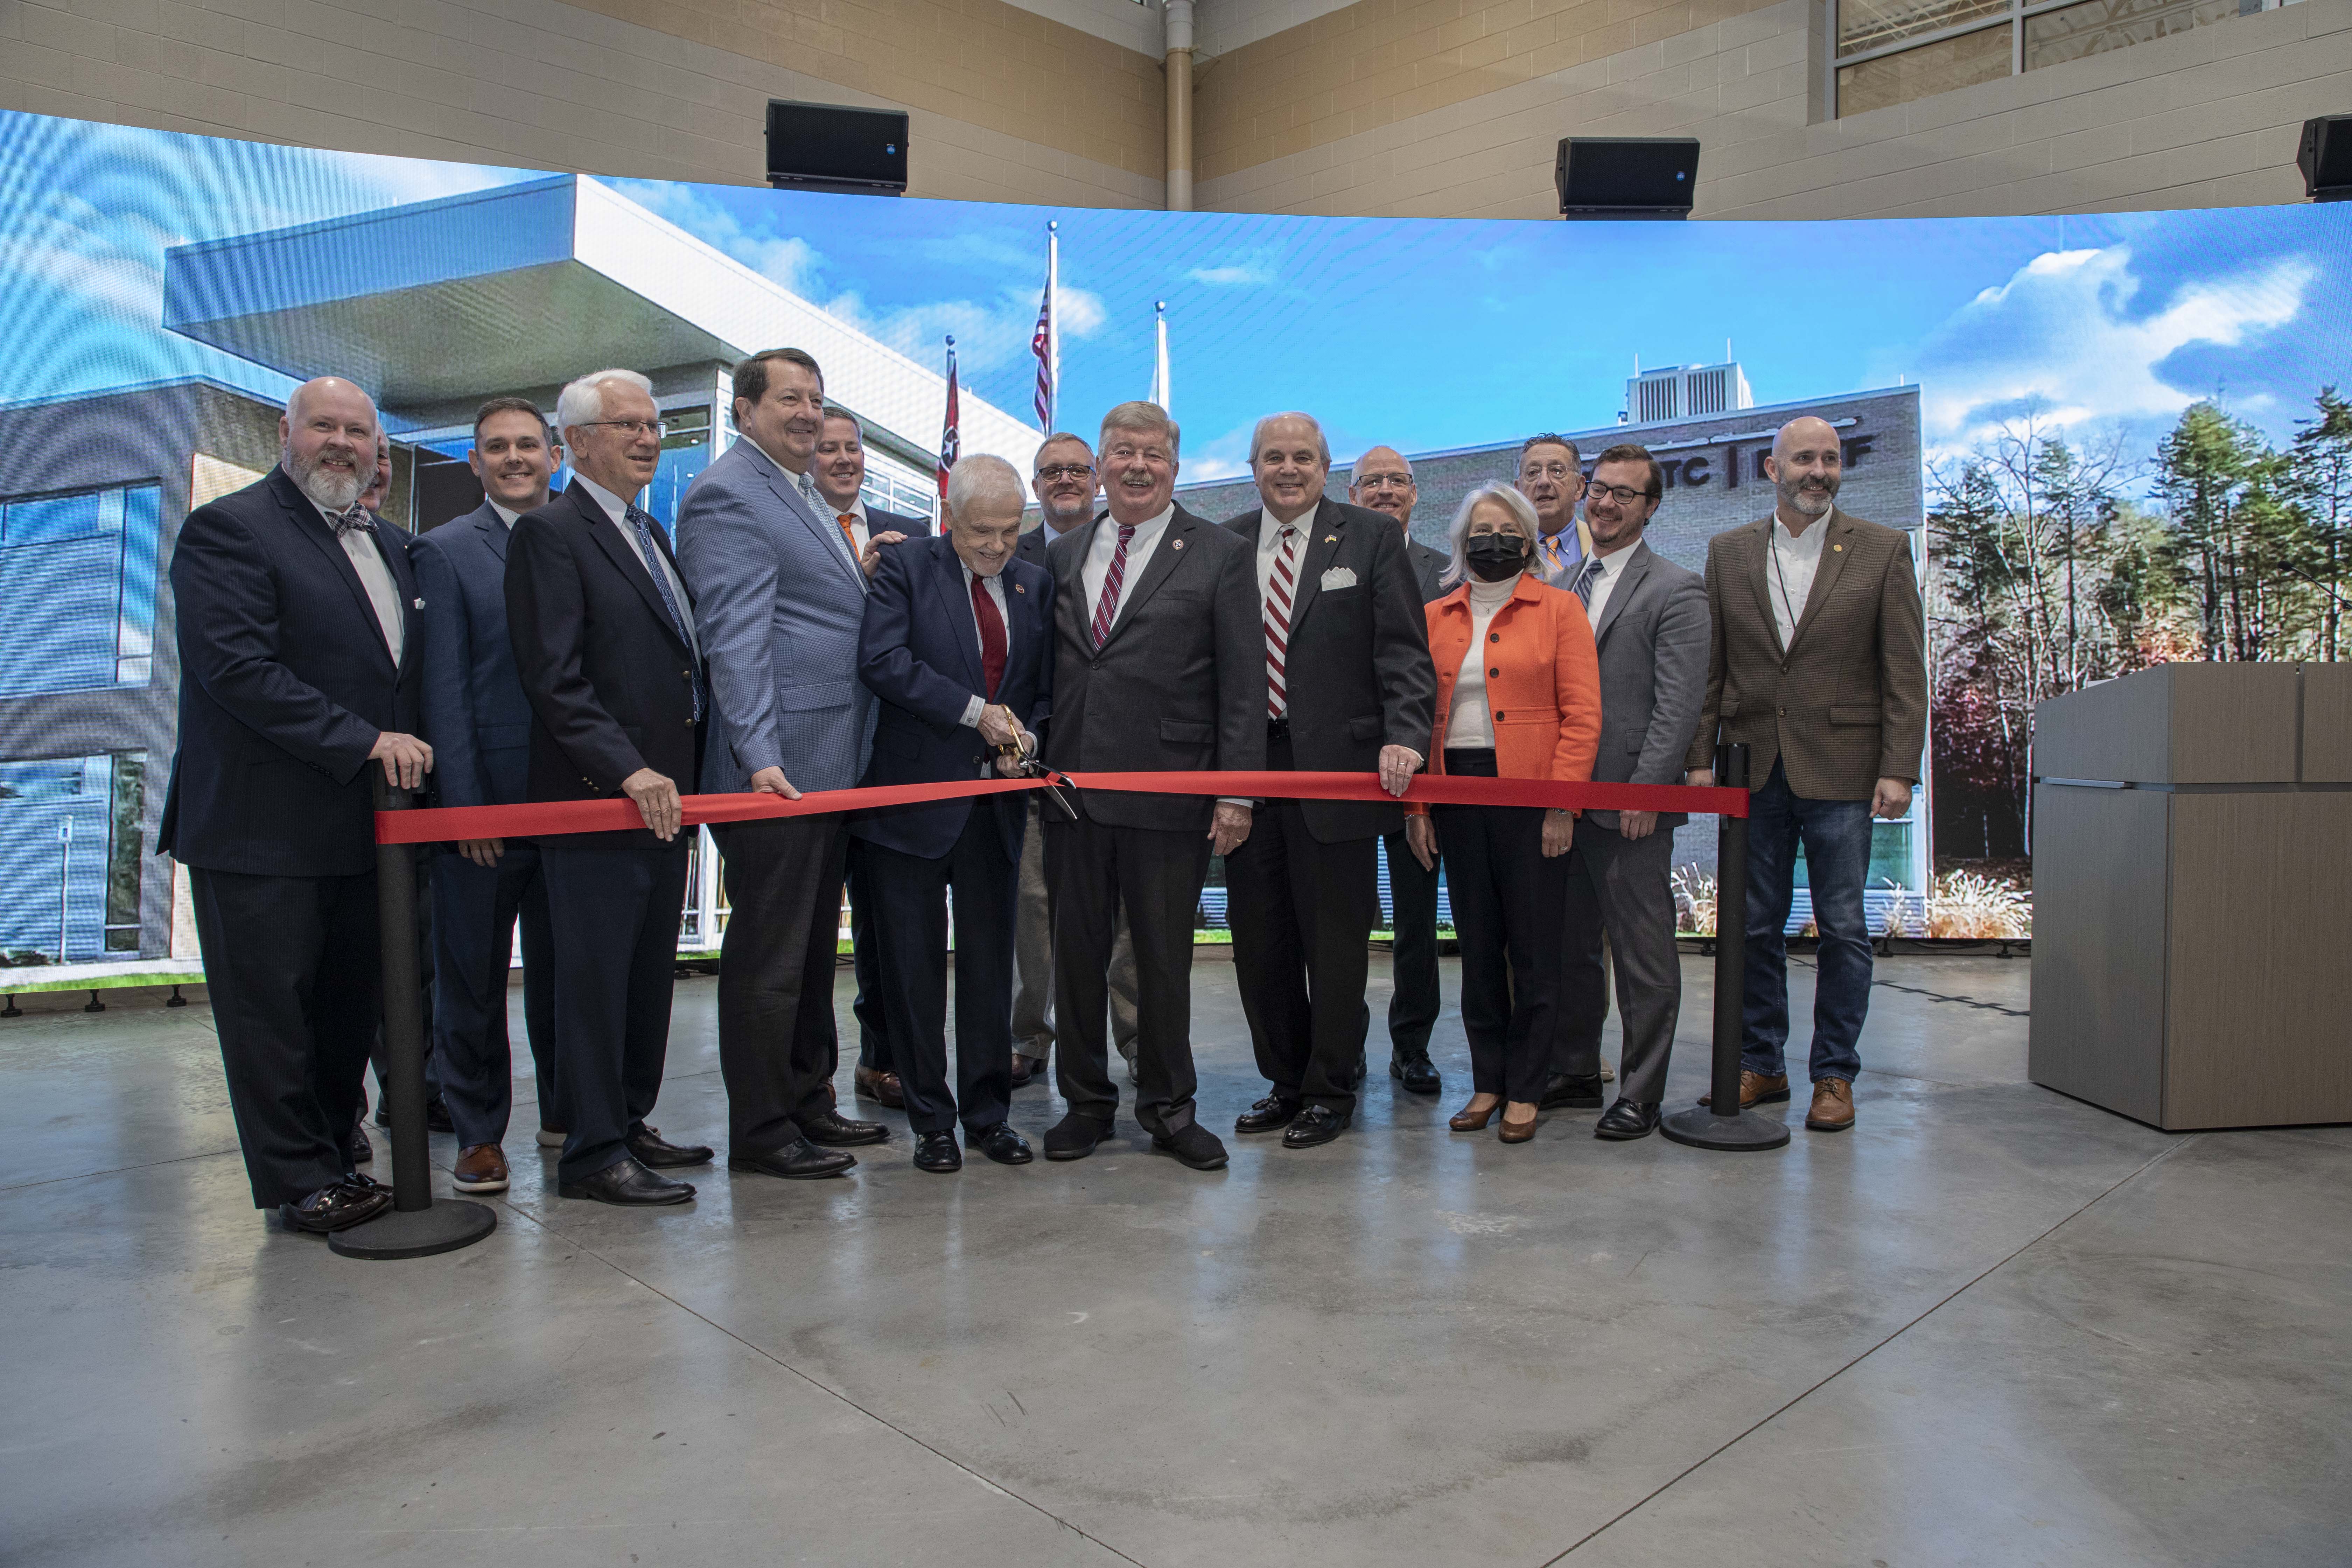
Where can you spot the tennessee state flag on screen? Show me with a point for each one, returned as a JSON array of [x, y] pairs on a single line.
[[950, 442]]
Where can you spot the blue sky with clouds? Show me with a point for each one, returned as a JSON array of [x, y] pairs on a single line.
[[1423, 334]]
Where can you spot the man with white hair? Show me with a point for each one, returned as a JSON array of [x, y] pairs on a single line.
[[957, 645], [1819, 664], [1350, 689], [608, 653], [300, 671]]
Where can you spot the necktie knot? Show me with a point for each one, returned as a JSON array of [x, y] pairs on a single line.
[[350, 520]]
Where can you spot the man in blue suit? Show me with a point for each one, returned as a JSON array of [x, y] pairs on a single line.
[[957, 645], [479, 722], [298, 658], [779, 597]]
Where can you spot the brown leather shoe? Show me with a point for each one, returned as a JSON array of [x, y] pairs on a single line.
[[876, 1084], [1757, 1089], [1832, 1109], [1513, 1132], [481, 1168], [1468, 1121]]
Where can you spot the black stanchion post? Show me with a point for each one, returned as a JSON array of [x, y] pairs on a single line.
[[417, 1226], [1723, 1124]]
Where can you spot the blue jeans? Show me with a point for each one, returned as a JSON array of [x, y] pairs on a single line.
[[1836, 836]]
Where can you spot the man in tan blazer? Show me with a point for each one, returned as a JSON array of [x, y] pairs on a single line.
[[1819, 665]]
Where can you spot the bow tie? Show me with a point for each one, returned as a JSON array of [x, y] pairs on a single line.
[[351, 521]]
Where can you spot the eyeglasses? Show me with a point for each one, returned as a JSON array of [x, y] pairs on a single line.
[[1624, 495], [1549, 471], [1066, 471], [656, 428], [1384, 481]]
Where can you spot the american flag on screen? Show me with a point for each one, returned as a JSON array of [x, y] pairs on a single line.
[[951, 443], [1043, 342]]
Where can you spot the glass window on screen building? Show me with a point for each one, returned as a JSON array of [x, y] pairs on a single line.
[[78, 575]]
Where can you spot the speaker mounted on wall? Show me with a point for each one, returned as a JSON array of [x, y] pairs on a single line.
[[2325, 158], [1627, 176], [829, 147]]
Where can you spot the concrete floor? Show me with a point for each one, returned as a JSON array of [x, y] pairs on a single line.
[[1991, 1325]]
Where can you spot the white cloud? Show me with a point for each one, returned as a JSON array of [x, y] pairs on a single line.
[[784, 259], [2060, 337], [989, 334], [1252, 269]]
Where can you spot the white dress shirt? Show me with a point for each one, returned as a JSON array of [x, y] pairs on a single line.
[[1269, 545], [1791, 560], [1469, 722], [376, 576], [1105, 544], [1607, 568], [506, 514], [1004, 616], [618, 511]]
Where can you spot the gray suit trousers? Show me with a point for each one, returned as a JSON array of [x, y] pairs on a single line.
[[1032, 957], [1624, 888]]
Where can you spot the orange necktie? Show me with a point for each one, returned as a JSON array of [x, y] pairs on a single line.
[[849, 532]]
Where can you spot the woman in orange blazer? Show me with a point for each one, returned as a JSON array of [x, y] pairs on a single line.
[[1519, 697]]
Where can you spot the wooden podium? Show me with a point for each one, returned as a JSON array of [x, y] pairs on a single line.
[[2192, 895]]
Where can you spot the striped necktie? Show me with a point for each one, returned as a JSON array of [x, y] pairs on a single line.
[[1584, 581], [1107, 606], [641, 523], [1279, 585]]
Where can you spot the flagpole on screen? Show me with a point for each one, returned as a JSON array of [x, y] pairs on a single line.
[[951, 441], [1160, 392], [1046, 342]]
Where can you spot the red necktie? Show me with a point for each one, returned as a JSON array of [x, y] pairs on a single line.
[[1107, 606], [992, 634]]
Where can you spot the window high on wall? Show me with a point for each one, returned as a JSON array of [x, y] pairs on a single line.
[[77, 577], [1892, 52]]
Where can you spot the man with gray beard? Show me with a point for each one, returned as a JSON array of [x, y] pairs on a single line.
[[300, 674]]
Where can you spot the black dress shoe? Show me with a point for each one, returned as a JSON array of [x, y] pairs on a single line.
[[799, 1161], [938, 1153], [1195, 1145], [1075, 1136], [1316, 1125], [627, 1184], [436, 1115], [1571, 1091], [361, 1151], [1416, 1072], [1027, 1071], [655, 1152], [339, 1208], [999, 1142], [834, 1131], [1626, 1120], [1270, 1114]]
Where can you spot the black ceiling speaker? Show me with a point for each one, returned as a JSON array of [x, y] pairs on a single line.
[[1627, 176], [825, 147], [2325, 158]]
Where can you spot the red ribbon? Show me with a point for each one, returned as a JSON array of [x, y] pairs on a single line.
[[445, 824]]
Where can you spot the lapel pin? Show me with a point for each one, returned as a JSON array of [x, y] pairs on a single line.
[[1330, 538], [1020, 588], [1176, 544], [420, 604], [1840, 548]]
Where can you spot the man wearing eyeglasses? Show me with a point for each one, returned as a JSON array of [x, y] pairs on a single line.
[[1382, 481], [1649, 621], [781, 595], [1064, 482], [1551, 477]]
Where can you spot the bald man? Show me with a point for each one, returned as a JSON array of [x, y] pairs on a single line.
[[300, 675], [1819, 664], [1382, 481]]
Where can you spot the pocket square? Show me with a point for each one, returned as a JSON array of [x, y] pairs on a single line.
[[1339, 577]]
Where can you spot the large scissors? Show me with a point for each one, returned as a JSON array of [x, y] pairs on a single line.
[[1023, 755]]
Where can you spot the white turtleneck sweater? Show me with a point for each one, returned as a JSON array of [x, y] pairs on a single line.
[[1469, 724]]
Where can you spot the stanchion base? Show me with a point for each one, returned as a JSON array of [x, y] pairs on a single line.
[[448, 1225], [1701, 1128]]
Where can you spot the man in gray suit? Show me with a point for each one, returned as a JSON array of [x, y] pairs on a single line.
[[1159, 667], [1650, 624], [1382, 481], [780, 599]]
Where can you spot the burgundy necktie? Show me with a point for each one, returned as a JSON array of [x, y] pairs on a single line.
[[1278, 586], [1107, 606], [992, 634]]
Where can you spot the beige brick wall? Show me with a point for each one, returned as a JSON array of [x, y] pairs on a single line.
[[1006, 105], [2208, 118]]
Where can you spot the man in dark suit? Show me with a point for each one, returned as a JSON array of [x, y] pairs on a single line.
[[781, 595], [1350, 689], [297, 648], [1159, 665], [958, 646], [839, 469], [1065, 483], [1382, 481], [1650, 623], [479, 722], [604, 644]]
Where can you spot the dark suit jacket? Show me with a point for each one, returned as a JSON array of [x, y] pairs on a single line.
[[1651, 639], [880, 521], [1358, 673], [477, 719], [284, 685], [1428, 566], [610, 685], [1033, 544], [1845, 704], [1179, 685], [921, 655]]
